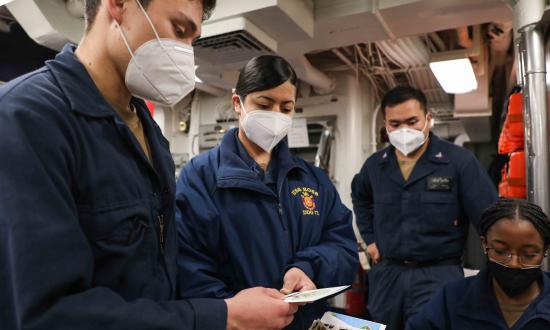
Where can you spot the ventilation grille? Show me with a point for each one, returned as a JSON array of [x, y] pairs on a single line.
[[229, 48]]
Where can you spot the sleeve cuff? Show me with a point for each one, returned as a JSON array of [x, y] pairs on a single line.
[[369, 238], [305, 267], [209, 313]]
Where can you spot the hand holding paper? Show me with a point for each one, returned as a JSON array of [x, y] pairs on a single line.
[[296, 280], [259, 308]]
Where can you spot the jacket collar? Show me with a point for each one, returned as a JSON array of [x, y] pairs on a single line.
[[77, 85], [479, 302], [435, 154], [235, 170]]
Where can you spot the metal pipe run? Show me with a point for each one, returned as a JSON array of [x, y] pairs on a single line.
[[535, 114]]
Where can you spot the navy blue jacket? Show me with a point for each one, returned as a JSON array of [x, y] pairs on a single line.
[[425, 217], [81, 210], [238, 230], [471, 304]]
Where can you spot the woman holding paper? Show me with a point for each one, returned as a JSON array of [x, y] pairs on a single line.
[[249, 214], [512, 292]]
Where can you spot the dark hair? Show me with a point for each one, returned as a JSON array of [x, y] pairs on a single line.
[[92, 7], [401, 94], [516, 209], [264, 72]]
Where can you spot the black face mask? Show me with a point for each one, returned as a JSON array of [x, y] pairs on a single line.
[[513, 281]]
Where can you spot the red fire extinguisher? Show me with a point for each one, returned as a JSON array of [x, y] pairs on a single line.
[[355, 297]]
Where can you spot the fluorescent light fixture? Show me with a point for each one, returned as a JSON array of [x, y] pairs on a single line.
[[455, 76]]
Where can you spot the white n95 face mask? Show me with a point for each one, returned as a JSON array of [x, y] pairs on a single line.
[[161, 70], [265, 128], [407, 140]]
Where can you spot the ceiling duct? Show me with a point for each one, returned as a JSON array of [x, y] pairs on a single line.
[[476, 103], [231, 43], [49, 22]]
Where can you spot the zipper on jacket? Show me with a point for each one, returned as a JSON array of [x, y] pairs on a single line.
[[161, 232], [281, 213]]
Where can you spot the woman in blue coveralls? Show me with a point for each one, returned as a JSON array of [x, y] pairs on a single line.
[[249, 214], [512, 292]]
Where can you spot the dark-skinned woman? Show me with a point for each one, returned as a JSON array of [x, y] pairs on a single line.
[[512, 292]]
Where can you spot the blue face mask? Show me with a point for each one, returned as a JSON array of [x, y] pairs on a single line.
[[513, 281]]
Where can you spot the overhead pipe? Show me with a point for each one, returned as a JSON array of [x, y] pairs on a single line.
[[321, 83], [438, 42]]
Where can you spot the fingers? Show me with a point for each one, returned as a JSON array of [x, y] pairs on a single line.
[[282, 323], [307, 287], [288, 320], [290, 284], [293, 308], [374, 254], [274, 293]]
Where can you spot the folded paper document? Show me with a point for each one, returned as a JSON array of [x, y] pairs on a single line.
[[313, 295]]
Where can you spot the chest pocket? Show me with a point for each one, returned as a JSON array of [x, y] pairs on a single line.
[[440, 211], [122, 240], [118, 224], [437, 198]]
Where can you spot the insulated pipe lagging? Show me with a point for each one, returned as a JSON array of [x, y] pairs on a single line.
[[321, 83]]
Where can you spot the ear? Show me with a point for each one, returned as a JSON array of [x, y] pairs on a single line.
[[236, 103], [429, 118], [115, 8]]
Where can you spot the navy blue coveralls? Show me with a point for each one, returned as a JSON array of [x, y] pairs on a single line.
[[471, 304], [418, 225], [87, 234], [241, 227]]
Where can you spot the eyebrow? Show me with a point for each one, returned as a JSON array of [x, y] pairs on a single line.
[[188, 22], [403, 121], [522, 247], [530, 246], [272, 100]]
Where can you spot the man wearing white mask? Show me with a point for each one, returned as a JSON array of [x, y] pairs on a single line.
[[249, 214], [87, 232], [413, 202]]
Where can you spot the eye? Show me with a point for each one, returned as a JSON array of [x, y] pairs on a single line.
[[179, 32], [286, 110], [264, 106], [530, 256], [501, 252], [412, 122]]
